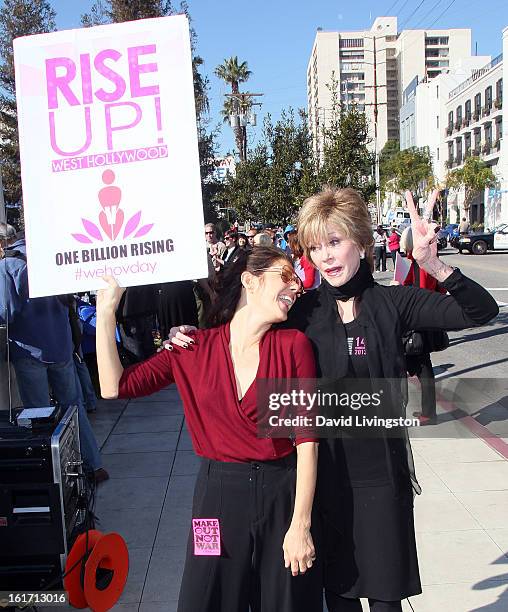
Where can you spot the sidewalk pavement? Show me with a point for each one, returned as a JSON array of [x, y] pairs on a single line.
[[461, 517]]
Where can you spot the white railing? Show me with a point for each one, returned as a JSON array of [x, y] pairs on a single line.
[[475, 76]]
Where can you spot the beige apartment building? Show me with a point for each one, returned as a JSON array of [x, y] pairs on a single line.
[[372, 67]]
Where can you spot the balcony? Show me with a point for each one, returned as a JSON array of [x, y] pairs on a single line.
[[467, 153], [458, 124], [476, 152], [498, 103], [458, 160], [486, 148], [486, 110], [449, 130], [497, 144], [465, 122], [476, 114], [448, 163]]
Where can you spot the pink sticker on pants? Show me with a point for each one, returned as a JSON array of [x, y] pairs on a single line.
[[206, 536]]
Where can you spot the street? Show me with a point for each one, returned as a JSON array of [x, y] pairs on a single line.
[[487, 356]]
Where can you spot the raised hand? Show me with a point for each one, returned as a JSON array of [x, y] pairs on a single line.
[[109, 298], [425, 238], [423, 230]]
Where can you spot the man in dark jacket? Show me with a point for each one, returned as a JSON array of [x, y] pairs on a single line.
[[40, 346]]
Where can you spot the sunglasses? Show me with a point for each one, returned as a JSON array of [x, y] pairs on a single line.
[[209, 232], [287, 275], [229, 237]]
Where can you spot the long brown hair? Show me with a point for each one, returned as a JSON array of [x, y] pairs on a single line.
[[228, 288]]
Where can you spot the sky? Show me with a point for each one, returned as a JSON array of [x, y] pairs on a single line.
[[275, 38]]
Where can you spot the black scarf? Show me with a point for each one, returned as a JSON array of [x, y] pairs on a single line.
[[330, 332], [355, 285]]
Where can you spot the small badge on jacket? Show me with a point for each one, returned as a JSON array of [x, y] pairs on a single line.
[[206, 537]]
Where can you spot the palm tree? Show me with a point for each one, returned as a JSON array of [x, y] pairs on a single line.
[[234, 73]]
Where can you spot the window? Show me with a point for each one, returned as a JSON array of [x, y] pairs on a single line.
[[443, 40], [488, 135], [458, 157], [459, 116], [450, 119], [437, 153], [450, 151], [499, 129], [467, 108], [350, 42], [437, 91], [499, 90], [477, 103], [488, 97], [437, 122], [467, 143], [477, 141]]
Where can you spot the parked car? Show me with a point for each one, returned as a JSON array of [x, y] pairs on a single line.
[[450, 230], [478, 243], [442, 239]]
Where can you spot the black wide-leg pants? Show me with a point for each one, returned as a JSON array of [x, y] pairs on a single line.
[[254, 504]]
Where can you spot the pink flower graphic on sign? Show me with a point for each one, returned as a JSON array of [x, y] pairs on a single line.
[[111, 217]]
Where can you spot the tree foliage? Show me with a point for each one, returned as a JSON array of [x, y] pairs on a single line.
[[233, 72], [347, 160], [17, 18], [407, 170], [474, 176], [117, 11], [279, 174]]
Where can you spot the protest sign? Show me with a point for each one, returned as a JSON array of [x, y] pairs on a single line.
[[402, 267], [109, 156]]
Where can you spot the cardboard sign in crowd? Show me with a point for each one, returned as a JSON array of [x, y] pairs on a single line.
[[109, 156]]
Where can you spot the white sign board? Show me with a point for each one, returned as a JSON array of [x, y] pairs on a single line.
[[109, 156]]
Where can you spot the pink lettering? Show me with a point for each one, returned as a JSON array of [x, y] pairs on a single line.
[[109, 74], [136, 69], [88, 134], [86, 78], [55, 82], [109, 125]]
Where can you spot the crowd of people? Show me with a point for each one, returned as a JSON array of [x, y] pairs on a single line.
[[294, 517]]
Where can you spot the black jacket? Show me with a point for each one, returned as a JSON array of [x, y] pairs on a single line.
[[388, 312]]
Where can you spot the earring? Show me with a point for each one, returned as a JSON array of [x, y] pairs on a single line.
[[362, 254]]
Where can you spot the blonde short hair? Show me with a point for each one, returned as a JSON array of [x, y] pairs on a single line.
[[406, 240], [344, 208], [263, 239]]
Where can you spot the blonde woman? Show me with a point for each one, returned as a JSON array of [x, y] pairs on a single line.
[[365, 486]]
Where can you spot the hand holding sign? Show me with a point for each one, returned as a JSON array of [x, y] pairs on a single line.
[[109, 298]]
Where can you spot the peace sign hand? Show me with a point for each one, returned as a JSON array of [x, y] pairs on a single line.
[[424, 232], [425, 238]]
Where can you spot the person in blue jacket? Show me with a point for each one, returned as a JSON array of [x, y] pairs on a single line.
[[40, 345]]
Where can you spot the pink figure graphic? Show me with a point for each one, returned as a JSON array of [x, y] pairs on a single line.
[[111, 217]]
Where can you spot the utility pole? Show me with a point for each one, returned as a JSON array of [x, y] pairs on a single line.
[[240, 118], [376, 154]]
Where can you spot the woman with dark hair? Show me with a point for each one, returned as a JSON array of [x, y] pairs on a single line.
[[305, 270], [254, 494], [366, 485]]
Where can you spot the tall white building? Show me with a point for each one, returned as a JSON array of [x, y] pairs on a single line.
[[474, 127], [423, 113], [372, 67]]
